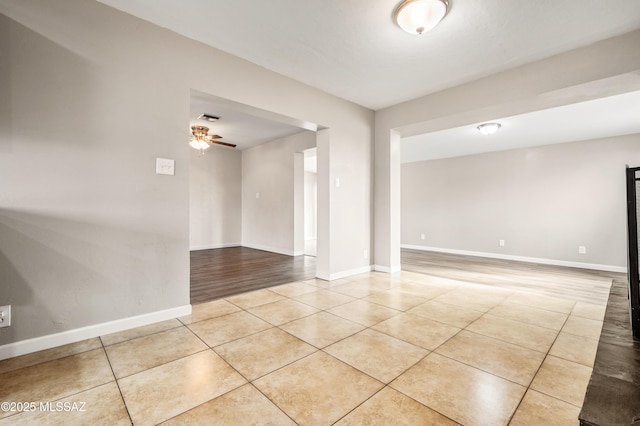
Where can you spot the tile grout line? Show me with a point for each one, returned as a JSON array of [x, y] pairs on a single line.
[[361, 404], [251, 382], [49, 360], [253, 334], [325, 310], [315, 352], [371, 328], [385, 385], [271, 401], [124, 402], [363, 298], [144, 335], [399, 312], [234, 339], [480, 369], [73, 393], [538, 371], [209, 348]]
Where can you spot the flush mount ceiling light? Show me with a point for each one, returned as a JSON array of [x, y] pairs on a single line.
[[201, 139], [489, 128], [420, 16]]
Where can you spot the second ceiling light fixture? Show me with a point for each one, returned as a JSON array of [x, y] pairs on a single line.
[[420, 16]]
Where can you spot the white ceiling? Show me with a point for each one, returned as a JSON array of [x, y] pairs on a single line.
[[605, 117], [241, 125], [354, 50]]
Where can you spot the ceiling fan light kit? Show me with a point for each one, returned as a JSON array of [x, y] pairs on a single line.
[[201, 139], [420, 16], [199, 144]]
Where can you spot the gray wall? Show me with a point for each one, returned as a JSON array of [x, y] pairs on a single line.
[[268, 170], [88, 232], [544, 201], [89, 97], [215, 198]]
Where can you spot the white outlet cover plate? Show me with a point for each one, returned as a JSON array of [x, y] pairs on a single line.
[[6, 316], [165, 166]]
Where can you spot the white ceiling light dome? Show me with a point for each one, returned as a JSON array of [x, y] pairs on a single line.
[[199, 144], [489, 128], [420, 16]]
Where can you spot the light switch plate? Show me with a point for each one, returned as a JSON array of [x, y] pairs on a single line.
[[165, 166]]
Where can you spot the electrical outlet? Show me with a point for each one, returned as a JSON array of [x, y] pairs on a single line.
[[366, 253], [582, 250], [5, 316], [422, 237], [501, 242]]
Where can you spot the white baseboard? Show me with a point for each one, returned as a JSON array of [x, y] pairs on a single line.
[[595, 266], [35, 344], [343, 274], [349, 273], [214, 246], [271, 249], [322, 276], [387, 269], [253, 246]]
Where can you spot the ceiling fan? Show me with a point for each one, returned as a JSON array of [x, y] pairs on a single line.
[[201, 139]]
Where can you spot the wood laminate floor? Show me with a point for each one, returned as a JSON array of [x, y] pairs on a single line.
[[613, 395], [218, 273], [576, 284]]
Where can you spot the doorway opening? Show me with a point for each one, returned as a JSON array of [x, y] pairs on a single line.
[[247, 203], [633, 213]]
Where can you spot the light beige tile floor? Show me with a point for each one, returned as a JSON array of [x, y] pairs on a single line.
[[370, 349]]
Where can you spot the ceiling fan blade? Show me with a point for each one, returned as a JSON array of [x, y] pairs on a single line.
[[215, 136], [232, 145]]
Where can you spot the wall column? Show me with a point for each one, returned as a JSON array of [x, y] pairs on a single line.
[[323, 267], [387, 202]]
